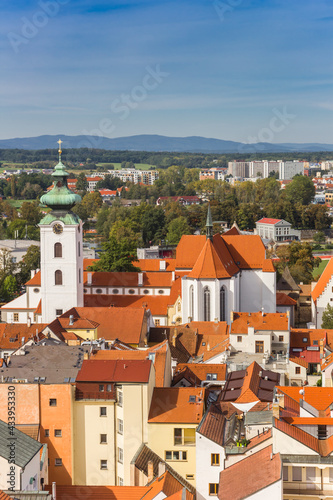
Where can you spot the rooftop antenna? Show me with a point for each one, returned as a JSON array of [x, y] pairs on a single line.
[[59, 150]]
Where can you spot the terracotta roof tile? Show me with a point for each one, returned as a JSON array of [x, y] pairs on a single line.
[[269, 465], [210, 264], [282, 299], [12, 334], [153, 265], [318, 397], [99, 492], [323, 281], [173, 405], [200, 370], [35, 280], [268, 266], [166, 484], [213, 422], [299, 361], [259, 321], [4, 496], [248, 251], [162, 279], [136, 371], [266, 220]]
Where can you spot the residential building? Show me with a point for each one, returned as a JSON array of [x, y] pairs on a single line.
[[173, 418], [215, 173], [239, 168], [288, 169], [182, 200], [147, 177], [276, 230]]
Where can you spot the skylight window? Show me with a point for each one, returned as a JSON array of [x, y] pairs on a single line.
[[192, 399]]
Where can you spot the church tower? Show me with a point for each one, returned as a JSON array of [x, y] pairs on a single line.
[[61, 249]]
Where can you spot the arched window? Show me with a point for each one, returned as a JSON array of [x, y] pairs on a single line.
[[58, 250], [58, 277], [206, 304], [191, 305], [222, 304]]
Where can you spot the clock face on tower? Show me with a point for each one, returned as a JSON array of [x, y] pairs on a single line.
[[57, 228]]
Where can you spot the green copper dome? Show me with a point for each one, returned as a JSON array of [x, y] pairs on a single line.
[[60, 197]]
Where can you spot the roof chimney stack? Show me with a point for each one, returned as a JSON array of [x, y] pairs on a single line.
[[150, 471], [71, 320], [28, 322], [89, 278], [140, 279]]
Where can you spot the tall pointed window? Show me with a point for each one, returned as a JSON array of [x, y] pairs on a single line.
[[222, 304], [58, 250], [58, 277], [191, 308], [206, 304]]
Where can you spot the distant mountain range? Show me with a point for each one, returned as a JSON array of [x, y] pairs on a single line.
[[158, 143]]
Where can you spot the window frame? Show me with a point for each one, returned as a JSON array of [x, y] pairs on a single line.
[[214, 459]]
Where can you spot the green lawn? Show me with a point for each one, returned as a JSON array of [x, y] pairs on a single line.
[[317, 271], [17, 203]]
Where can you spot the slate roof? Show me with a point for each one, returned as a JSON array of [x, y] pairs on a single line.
[[25, 447], [287, 282], [54, 362]]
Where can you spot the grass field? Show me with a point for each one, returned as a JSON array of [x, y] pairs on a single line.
[[317, 271]]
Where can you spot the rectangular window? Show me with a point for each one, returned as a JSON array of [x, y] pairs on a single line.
[[16, 317], [310, 473], [46, 433], [259, 346], [103, 464], [120, 481], [101, 388], [330, 473], [213, 488], [102, 411], [211, 376], [297, 473], [239, 338], [285, 473], [215, 459], [184, 436], [103, 439], [120, 398], [58, 312], [157, 322], [58, 462], [298, 370], [52, 402], [120, 426], [322, 432], [280, 338], [108, 387], [120, 455], [176, 455], [57, 433]]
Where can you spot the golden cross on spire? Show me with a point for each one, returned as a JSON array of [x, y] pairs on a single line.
[[59, 151]]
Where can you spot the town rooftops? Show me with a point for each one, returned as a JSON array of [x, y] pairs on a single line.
[[282, 299], [167, 486], [323, 281], [259, 321], [319, 398], [50, 364], [200, 372], [25, 447], [99, 492], [258, 471], [160, 279], [177, 405], [13, 336], [130, 371]]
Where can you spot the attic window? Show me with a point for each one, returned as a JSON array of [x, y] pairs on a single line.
[[115, 291], [305, 339], [145, 292], [131, 291], [204, 343], [192, 399], [161, 292], [12, 339]]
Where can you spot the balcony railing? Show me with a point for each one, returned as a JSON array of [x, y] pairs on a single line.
[[94, 395]]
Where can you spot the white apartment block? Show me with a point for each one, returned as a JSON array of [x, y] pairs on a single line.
[[136, 176], [263, 168], [289, 169]]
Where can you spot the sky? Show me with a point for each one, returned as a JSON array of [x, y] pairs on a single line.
[[241, 70]]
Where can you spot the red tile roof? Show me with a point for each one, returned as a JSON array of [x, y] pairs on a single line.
[[153, 265], [212, 263], [323, 281], [282, 299], [35, 280], [4, 496], [247, 250], [265, 220], [11, 335], [318, 397], [99, 492], [257, 472], [160, 279], [166, 484], [172, 405], [299, 361], [267, 321], [200, 370], [135, 371]]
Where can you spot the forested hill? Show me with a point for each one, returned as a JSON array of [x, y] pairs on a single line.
[[157, 143]]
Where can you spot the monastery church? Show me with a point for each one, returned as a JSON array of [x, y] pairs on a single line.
[[210, 277]]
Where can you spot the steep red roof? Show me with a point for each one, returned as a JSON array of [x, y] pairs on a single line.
[[35, 280], [259, 321], [211, 265], [247, 250], [122, 279], [114, 371], [258, 471], [282, 299], [99, 492], [173, 405]]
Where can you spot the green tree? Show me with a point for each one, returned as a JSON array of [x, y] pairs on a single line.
[[153, 225], [116, 256], [176, 228], [299, 258], [300, 190], [82, 183], [327, 320], [8, 288], [319, 237], [30, 212], [30, 262]]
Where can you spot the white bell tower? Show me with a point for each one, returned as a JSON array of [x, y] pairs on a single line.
[[61, 249]]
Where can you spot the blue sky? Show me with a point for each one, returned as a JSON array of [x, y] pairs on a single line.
[[227, 69]]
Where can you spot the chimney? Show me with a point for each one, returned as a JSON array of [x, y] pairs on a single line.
[[276, 408], [140, 279], [231, 316], [174, 337], [161, 468], [86, 355], [208, 347], [262, 311], [71, 320], [22, 340], [54, 491], [28, 322], [321, 348], [150, 471], [173, 275], [216, 320], [162, 265], [89, 278]]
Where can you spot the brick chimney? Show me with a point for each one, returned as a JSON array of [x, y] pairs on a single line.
[[150, 471]]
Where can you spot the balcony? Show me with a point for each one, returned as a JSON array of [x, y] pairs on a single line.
[[308, 489], [94, 395]]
